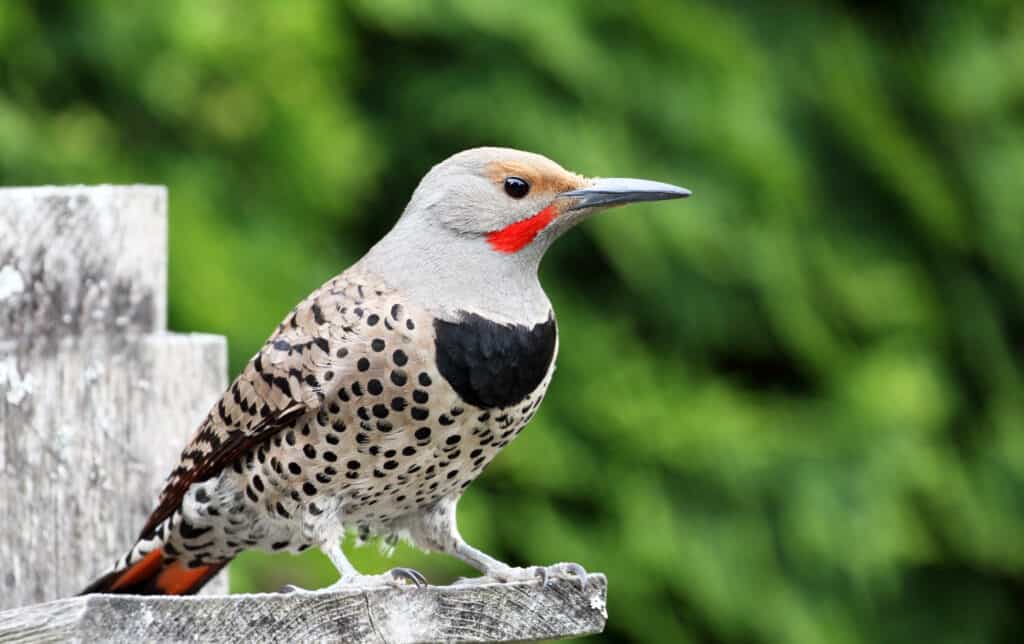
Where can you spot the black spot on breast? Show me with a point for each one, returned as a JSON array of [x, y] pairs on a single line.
[[491, 364]]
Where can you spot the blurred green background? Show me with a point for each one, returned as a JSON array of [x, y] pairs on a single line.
[[786, 410]]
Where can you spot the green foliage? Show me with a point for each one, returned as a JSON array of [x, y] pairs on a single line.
[[787, 410]]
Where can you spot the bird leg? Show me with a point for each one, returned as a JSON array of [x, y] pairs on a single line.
[[436, 530], [351, 579]]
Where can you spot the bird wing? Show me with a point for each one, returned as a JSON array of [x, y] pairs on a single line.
[[280, 385]]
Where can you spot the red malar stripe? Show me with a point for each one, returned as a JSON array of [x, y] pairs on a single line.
[[514, 237]]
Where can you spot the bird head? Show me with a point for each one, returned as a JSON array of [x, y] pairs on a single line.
[[482, 219], [510, 201]]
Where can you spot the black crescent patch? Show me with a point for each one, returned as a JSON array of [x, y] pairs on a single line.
[[493, 365]]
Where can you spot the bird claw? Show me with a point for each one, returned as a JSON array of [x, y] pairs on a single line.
[[393, 577], [545, 574], [541, 573], [564, 570], [409, 574], [570, 570]]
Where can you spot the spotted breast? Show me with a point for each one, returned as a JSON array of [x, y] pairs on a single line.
[[406, 410]]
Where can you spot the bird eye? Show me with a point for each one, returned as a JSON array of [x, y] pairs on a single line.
[[516, 188]]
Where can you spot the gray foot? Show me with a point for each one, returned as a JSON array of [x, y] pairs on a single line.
[[568, 571], [396, 577], [545, 574]]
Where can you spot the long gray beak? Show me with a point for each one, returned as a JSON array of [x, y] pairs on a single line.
[[611, 192]]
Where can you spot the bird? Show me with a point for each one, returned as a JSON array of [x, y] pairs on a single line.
[[383, 394]]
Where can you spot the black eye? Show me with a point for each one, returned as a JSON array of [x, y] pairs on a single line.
[[516, 188]]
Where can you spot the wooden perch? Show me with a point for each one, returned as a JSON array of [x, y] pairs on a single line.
[[461, 613]]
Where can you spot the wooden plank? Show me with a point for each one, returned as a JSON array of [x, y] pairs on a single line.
[[491, 612]]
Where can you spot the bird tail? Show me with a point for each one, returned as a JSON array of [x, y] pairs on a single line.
[[155, 575]]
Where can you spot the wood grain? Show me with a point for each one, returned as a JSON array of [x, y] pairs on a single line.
[[490, 612]]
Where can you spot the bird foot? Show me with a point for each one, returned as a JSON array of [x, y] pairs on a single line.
[[545, 574], [396, 577], [568, 570]]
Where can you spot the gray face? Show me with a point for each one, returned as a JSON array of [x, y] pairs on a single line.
[[467, 192], [477, 226]]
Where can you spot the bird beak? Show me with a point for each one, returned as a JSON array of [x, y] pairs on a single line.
[[602, 193]]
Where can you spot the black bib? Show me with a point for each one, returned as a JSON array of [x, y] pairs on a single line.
[[490, 364]]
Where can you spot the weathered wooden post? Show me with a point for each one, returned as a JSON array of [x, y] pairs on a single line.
[[96, 398]]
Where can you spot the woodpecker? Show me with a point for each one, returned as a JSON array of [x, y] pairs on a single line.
[[388, 390]]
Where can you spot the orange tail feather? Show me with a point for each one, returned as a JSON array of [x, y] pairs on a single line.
[[152, 576]]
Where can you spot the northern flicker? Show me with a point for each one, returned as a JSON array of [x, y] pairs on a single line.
[[388, 390]]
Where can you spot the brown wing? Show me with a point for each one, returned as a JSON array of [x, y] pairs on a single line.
[[281, 384]]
